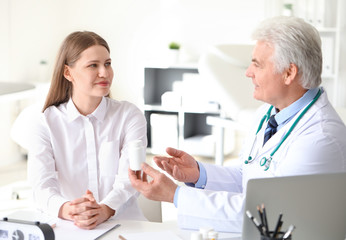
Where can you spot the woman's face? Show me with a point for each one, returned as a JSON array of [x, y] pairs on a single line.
[[92, 74]]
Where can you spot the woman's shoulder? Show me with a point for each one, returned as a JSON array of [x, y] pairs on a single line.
[[123, 109], [51, 113], [117, 104]]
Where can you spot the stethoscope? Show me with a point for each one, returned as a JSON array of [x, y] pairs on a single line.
[[265, 162]]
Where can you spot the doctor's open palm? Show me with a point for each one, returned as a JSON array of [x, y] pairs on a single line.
[[181, 166]]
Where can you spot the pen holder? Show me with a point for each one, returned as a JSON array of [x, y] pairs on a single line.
[[279, 236]]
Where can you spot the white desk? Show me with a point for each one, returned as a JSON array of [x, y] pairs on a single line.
[[140, 227], [65, 230]]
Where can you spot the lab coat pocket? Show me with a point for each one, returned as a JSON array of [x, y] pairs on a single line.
[[109, 158]]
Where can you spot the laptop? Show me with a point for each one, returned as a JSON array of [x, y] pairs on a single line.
[[314, 204]]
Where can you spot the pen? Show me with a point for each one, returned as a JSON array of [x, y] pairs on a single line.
[[114, 227], [254, 220], [260, 214], [278, 226], [265, 220], [121, 237], [289, 232]]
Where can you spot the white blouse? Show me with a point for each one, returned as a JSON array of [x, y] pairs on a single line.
[[70, 153]]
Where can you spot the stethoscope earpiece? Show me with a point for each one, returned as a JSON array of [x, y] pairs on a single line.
[[249, 159]]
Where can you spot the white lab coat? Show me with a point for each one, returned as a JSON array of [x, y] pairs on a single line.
[[316, 145]]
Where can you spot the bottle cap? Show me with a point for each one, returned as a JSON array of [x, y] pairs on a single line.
[[213, 235]]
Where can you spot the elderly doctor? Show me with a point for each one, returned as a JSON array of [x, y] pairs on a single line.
[[307, 135]]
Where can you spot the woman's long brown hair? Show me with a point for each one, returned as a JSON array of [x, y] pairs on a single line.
[[74, 44]]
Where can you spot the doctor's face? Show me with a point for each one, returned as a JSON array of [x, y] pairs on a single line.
[[269, 85], [91, 75]]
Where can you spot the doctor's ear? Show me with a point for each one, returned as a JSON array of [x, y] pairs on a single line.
[[67, 73], [290, 74]]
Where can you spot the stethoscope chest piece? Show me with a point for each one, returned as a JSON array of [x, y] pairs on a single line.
[[265, 162]]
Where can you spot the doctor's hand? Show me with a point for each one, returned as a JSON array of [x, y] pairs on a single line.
[[85, 212], [160, 188], [181, 166]]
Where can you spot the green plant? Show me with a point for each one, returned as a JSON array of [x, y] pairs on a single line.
[[288, 6], [174, 45]]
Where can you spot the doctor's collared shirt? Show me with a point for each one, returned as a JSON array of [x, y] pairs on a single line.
[[284, 116], [70, 153]]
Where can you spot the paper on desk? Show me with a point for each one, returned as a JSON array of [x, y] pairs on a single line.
[[64, 230], [166, 235]]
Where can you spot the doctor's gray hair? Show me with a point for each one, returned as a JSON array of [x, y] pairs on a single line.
[[294, 41]]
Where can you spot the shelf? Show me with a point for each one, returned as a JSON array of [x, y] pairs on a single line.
[[176, 116], [160, 108], [158, 81], [328, 18]]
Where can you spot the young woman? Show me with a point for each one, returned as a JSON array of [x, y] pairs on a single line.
[[78, 158]]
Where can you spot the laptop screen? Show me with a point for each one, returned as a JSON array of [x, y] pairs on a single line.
[[314, 204]]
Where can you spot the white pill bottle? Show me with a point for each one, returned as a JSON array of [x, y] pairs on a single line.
[[136, 154]]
